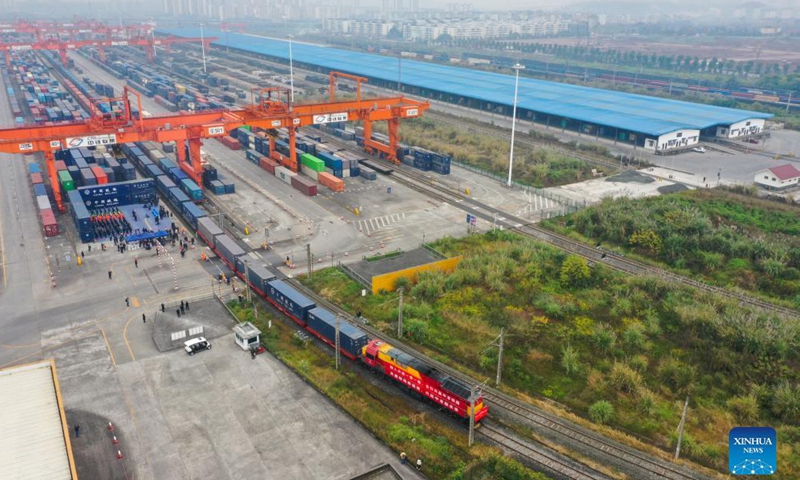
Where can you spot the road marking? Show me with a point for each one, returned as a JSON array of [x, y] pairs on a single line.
[[52, 347], [108, 346], [135, 302], [125, 337]]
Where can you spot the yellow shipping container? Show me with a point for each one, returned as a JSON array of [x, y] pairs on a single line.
[[180, 88]]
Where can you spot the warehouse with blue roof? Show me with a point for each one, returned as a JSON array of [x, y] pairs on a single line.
[[653, 123]]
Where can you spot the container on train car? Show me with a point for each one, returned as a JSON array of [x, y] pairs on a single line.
[[177, 197], [192, 212], [291, 301], [36, 178], [164, 183], [34, 168], [228, 249], [43, 202], [323, 322], [258, 276], [192, 189], [39, 189], [304, 185], [208, 230]]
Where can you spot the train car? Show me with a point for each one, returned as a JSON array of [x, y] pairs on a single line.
[[322, 323], [417, 375], [289, 301]]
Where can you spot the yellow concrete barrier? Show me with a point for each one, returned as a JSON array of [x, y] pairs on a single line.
[[387, 280]]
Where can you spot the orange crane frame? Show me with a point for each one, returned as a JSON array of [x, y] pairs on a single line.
[[267, 113], [40, 29], [150, 45]]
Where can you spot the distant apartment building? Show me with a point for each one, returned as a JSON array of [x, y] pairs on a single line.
[[431, 29]]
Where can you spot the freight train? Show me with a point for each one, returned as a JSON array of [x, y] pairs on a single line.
[[424, 379]]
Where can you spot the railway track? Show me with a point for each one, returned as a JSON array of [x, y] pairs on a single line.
[[588, 443], [418, 181], [554, 464]]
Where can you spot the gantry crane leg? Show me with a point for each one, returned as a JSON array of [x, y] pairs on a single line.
[[194, 162], [394, 139], [50, 166]]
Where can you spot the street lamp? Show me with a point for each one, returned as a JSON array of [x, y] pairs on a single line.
[[291, 69], [203, 47], [516, 68]]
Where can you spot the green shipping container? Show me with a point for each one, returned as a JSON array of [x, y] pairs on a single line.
[[65, 179], [246, 127], [312, 162]]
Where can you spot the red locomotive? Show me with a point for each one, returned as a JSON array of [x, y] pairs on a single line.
[[443, 389]]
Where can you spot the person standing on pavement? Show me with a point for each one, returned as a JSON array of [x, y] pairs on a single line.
[[136, 262], [109, 274], [419, 464], [403, 458], [144, 318], [187, 306], [77, 430], [127, 301]]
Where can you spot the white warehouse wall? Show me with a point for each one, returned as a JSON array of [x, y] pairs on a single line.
[[677, 139], [740, 129]]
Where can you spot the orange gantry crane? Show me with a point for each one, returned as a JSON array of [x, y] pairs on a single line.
[[44, 30], [149, 44], [264, 112]]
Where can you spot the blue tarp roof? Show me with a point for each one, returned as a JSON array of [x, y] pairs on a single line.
[[638, 113]]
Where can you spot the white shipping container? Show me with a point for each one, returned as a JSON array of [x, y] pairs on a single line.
[[308, 172], [284, 174], [346, 173], [44, 202]]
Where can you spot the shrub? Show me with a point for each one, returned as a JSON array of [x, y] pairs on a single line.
[[646, 404], [786, 402], [744, 409], [570, 360], [604, 337], [676, 375], [634, 337], [601, 412], [575, 271], [624, 378], [402, 282]]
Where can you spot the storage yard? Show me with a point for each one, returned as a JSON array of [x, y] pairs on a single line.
[[194, 207]]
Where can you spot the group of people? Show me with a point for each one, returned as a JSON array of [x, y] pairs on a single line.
[[110, 223]]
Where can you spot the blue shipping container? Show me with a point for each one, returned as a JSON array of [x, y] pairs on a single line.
[[164, 183], [177, 197], [39, 190], [192, 213], [34, 168], [351, 339], [293, 302], [191, 189]]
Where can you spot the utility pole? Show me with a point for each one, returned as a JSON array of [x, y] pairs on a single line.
[[400, 314], [246, 281], [310, 258], [516, 68], [202, 46], [471, 415], [681, 427], [399, 73], [337, 343], [500, 357]]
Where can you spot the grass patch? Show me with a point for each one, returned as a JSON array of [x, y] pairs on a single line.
[[385, 256], [584, 334], [720, 237]]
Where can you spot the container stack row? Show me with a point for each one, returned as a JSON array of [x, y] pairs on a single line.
[[42, 201]]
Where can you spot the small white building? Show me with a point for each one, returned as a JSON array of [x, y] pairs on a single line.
[[744, 128], [677, 139], [778, 178]]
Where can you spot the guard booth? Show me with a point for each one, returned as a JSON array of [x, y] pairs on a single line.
[[247, 335]]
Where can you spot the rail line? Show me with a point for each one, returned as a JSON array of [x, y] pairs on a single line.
[[418, 181], [555, 465], [564, 432]]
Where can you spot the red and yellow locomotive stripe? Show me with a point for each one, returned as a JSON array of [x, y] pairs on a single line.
[[421, 377]]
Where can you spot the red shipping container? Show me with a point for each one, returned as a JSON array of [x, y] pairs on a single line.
[[305, 185], [49, 222], [268, 165], [230, 142], [36, 178], [101, 176], [60, 165]]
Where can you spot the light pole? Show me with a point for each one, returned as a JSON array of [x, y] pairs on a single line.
[[203, 47], [516, 68], [291, 70]]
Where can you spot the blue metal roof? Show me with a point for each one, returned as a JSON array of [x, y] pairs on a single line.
[[638, 113]]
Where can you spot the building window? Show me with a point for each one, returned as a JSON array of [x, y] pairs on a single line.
[[680, 134], [766, 177], [747, 124]]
